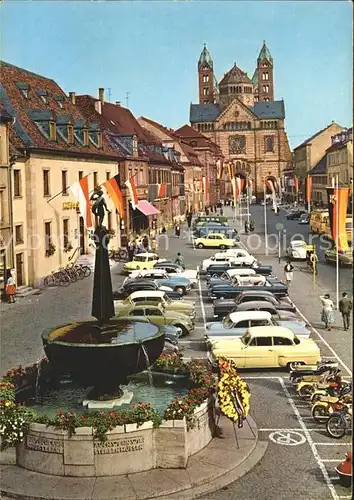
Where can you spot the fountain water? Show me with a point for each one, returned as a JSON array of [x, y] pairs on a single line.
[[38, 378], [148, 364]]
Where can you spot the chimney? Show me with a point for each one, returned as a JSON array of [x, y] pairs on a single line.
[[101, 95], [72, 97], [98, 106], [118, 103]]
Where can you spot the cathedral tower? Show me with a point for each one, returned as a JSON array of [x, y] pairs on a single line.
[[206, 77], [264, 78]]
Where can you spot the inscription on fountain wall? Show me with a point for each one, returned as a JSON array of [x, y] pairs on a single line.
[[119, 446], [44, 444]]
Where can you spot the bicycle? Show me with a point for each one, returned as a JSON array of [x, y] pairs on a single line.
[[118, 254], [56, 278]]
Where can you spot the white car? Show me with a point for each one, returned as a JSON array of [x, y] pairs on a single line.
[[174, 269], [236, 256], [255, 279], [231, 273], [297, 250]]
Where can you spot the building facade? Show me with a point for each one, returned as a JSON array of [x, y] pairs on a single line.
[[240, 115], [340, 158], [56, 147]]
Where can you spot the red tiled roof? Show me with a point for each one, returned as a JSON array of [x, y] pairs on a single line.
[[200, 140], [25, 133], [167, 131], [190, 154]]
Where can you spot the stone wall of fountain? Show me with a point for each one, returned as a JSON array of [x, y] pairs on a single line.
[[127, 449]]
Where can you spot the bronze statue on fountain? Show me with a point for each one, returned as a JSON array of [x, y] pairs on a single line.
[[101, 354]]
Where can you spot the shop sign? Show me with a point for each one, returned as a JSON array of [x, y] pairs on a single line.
[[70, 205]]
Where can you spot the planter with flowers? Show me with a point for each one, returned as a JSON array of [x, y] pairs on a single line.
[[68, 247], [171, 364], [50, 250], [50, 444]]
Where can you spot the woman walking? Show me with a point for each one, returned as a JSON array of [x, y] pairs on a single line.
[[288, 270], [327, 314], [178, 231]]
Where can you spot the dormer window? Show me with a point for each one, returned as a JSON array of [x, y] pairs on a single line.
[[96, 138], [24, 89], [70, 130], [59, 100], [43, 95], [52, 131]]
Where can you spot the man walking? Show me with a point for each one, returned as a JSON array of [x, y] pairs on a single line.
[[288, 270], [345, 308]]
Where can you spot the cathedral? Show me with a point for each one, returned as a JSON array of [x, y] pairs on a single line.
[[241, 116]]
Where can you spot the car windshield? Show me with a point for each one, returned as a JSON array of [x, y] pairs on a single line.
[[140, 258], [227, 323]]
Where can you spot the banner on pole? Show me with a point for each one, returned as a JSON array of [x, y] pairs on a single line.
[[308, 188], [337, 210]]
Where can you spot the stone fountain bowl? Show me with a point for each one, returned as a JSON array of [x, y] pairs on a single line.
[[105, 358]]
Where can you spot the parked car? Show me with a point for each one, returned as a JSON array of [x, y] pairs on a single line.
[[236, 323], [175, 282], [134, 285], [298, 249], [146, 260], [158, 315], [172, 269], [227, 275], [345, 258], [267, 347], [214, 241], [228, 291], [227, 231], [304, 219], [155, 297], [295, 214], [225, 306], [264, 305], [239, 256]]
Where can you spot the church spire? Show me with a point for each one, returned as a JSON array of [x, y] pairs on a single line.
[[265, 54], [205, 58]]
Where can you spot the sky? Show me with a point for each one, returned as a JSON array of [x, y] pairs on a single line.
[[150, 50]]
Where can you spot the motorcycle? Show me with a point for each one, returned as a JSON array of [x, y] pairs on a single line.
[[324, 407], [345, 388], [306, 387], [297, 372], [340, 422]]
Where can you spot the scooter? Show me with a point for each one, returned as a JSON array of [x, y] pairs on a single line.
[[297, 372], [322, 409], [340, 422], [331, 389], [306, 387]]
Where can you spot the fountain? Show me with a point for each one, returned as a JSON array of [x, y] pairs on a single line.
[[101, 354]]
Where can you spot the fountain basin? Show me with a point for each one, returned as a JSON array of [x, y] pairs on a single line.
[[128, 448], [103, 360]]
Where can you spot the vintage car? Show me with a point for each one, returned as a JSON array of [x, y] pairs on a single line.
[[155, 298], [298, 249], [225, 306], [131, 286], [235, 324], [227, 231], [158, 315], [175, 282], [267, 347], [229, 275], [295, 214], [344, 258], [304, 219], [214, 240], [146, 260], [240, 256], [229, 291], [263, 305], [171, 268]]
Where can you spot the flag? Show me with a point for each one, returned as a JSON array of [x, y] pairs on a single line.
[[308, 188], [205, 185], [220, 167], [113, 190], [234, 189], [161, 190], [229, 170], [242, 184], [337, 210], [238, 187], [80, 190], [250, 189], [270, 184], [133, 194]]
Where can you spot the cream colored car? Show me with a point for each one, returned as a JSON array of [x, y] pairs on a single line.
[[266, 347]]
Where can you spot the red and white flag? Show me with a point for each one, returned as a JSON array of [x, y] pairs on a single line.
[[80, 190], [205, 184], [238, 187], [249, 189], [161, 190], [219, 169], [133, 194], [234, 189], [271, 186]]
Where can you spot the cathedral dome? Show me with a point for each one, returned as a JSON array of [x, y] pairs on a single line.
[[234, 76]]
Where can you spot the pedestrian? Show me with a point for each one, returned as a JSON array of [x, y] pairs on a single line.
[[221, 212], [131, 250], [163, 230], [178, 230], [345, 308], [139, 247], [10, 289], [180, 260], [145, 242], [247, 227], [189, 220], [288, 270], [327, 314], [252, 225], [153, 245]]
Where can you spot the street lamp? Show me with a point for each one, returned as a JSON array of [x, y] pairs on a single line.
[[280, 228]]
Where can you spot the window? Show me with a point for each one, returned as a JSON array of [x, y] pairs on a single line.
[[265, 75], [266, 99], [153, 312], [205, 78], [282, 341], [64, 182], [242, 324], [17, 182], [269, 144], [81, 174], [266, 88], [95, 179], [46, 186], [259, 322], [52, 131], [205, 102], [108, 175], [19, 234], [137, 312], [48, 235], [264, 341], [44, 98], [206, 91], [65, 232]]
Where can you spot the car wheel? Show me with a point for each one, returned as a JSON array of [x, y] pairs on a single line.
[[180, 289], [200, 245], [292, 366], [184, 329], [223, 247], [138, 268]]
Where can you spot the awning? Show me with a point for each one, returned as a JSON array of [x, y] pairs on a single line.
[[146, 208]]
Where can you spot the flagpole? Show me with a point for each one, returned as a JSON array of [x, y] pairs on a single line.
[[65, 189], [337, 242], [265, 220], [248, 203], [308, 195]]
